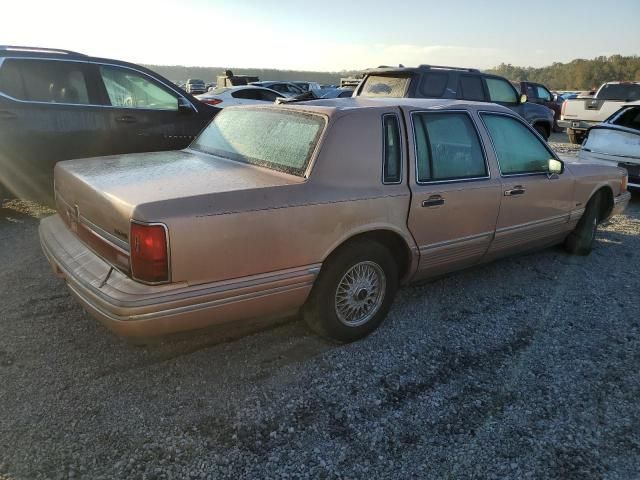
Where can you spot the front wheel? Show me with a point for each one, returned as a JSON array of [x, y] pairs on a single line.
[[580, 241], [354, 291]]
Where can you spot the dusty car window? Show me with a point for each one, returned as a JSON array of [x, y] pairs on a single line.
[[384, 86], [517, 148], [273, 139], [129, 89], [447, 147], [392, 150]]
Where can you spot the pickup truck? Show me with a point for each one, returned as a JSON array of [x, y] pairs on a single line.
[[580, 114], [323, 207]]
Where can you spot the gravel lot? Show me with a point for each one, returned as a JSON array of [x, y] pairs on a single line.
[[525, 368]]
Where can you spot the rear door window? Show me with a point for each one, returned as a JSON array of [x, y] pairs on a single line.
[[447, 147], [471, 88], [518, 149], [501, 91], [45, 81], [130, 89], [385, 86], [392, 167], [433, 84]]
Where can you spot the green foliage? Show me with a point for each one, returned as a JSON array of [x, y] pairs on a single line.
[[178, 73], [576, 75]]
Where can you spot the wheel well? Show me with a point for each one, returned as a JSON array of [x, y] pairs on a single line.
[[547, 127], [392, 241], [606, 203]]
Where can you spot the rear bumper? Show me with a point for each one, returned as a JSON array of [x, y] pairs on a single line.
[[576, 124], [132, 309]]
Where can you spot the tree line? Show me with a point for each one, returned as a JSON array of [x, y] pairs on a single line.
[[578, 74]]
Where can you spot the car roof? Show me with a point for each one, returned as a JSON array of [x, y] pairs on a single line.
[[420, 69], [332, 106]]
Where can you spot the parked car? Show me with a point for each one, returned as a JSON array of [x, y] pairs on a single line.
[[195, 86], [580, 114], [538, 93], [287, 89], [616, 141], [250, 94], [431, 81], [275, 211], [58, 105], [339, 93], [306, 86]]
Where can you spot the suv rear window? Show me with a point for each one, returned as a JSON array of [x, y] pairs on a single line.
[[619, 91], [385, 86], [275, 139], [433, 84]]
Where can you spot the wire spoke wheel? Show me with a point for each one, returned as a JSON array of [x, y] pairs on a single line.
[[360, 293]]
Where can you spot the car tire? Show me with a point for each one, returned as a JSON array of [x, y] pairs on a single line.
[[353, 292], [542, 130], [580, 240], [575, 137]]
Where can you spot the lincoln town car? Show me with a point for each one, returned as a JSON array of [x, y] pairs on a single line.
[[323, 208]]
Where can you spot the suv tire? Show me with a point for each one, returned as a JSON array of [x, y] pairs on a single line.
[[575, 137]]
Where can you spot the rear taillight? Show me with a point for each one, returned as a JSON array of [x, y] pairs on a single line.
[[211, 101], [149, 253], [564, 105]]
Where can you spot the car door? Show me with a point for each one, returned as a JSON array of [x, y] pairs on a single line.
[[49, 111], [535, 206], [455, 200], [145, 115]]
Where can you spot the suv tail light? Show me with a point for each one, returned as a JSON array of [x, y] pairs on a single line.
[[149, 253], [564, 105], [211, 101]]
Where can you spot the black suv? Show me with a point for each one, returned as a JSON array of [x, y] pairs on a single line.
[[59, 105], [431, 81]]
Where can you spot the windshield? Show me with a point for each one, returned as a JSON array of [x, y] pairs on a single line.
[[275, 139], [619, 91], [385, 86]]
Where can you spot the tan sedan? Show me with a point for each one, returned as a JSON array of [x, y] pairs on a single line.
[[324, 206]]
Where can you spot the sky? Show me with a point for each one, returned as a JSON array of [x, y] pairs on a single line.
[[327, 36]]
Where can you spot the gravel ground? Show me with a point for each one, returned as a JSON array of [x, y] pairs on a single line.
[[525, 368]]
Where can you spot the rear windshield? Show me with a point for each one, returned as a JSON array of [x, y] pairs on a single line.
[[385, 86], [619, 91], [275, 139]]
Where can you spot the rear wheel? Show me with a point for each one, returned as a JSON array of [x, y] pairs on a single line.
[[575, 136], [354, 291], [580, 241]]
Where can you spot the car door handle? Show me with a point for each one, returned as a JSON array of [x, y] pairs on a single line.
[[433, 201], [6, 115], [126, 119], [517, 190]]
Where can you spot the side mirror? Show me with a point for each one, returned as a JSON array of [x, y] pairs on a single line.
[[523, 98], [184, 105], [555, 167]]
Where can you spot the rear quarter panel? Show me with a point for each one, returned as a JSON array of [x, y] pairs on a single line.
[[238, 234]]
